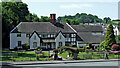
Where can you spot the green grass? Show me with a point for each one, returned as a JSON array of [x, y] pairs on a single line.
[[94, 55], [24, 56], [64, 55]]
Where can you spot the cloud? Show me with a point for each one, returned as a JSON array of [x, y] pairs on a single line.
[[71, 6]]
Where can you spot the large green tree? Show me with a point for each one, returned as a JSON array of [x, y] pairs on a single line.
[[79, 18], [12, 14], [107, 20], [109, 38]]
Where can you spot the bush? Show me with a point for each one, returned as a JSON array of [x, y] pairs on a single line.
[[87, 47], [80, 46], [67, 45], [15, 49], [59, 47], [55, 50], [26, 46], [73, 45], [116, 47], [37, 48], [81, 49]]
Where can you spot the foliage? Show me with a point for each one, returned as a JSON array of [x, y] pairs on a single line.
[[24, 56], [74, 45], [37, 48], [115, 47], [87, 47], [90, 45], [67, 45], [101, 46], [81, 49], [12, 14], [26, 46], [109, 38], [118, 38], [107, 20], [80, 46], [79, 18]]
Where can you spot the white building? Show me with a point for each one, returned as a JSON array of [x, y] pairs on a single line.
[[50, 35]]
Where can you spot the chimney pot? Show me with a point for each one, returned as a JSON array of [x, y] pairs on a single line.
[[52, 18]]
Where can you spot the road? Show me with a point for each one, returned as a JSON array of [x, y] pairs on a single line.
[[111, 64]]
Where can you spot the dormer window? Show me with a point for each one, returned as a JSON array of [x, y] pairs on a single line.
[[18, 35]]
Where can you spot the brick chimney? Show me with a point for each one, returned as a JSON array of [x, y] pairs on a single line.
[[52, 18]]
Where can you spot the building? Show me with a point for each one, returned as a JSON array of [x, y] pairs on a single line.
[[51, 35]]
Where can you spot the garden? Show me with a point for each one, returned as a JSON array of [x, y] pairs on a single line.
[[88, 52], [24, 56]]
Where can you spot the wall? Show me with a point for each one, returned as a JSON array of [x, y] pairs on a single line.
[[34, 40], [14, 39], [60, 40]]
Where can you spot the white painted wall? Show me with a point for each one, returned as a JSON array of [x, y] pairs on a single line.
[[14, 39], [57, 40], [34, 40], [116, 31]]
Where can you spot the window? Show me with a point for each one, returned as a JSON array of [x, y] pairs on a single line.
[[34, 44], [34, 37], [60, 37], [48, 35], [18, 35], [27, 35], [60, 43], [73, 35], [69, 39], [67, 35], [19, 43]]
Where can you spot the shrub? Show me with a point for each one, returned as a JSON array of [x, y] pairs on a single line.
[[59, 47], [80, 46], [67, 45], [116, 47], [15, 49], [55, 50], [81, 49], [26, 46], [37, 48], [73, 45], [87, 47]]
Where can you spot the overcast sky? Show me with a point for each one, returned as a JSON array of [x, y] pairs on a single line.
[[101, 8]]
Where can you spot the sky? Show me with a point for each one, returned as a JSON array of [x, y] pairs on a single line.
[[101, 8]]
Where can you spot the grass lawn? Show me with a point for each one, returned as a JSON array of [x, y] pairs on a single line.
[[23, 56], [94, 55]]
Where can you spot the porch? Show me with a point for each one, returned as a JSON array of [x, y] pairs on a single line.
[[48, 44]]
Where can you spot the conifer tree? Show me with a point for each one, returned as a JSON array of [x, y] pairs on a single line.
[[109, 38]]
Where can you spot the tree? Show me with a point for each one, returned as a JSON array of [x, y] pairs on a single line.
[[44, 19], [107, 19], [109, 38], [118, 38]]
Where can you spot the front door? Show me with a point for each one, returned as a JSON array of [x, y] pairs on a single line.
[[49, 45], [34, 44]]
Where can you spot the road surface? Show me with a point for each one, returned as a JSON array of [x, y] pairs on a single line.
[[111, 64]]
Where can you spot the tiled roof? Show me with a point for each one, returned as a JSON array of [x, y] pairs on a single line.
[[42, 27], [86, 28], [87, 37]]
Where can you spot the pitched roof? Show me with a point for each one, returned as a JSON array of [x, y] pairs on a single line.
[[87, 28], [42, 27], [87, 37]]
